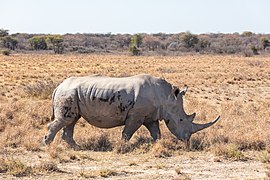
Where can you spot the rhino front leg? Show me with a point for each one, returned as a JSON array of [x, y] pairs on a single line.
[[131, 125], [67, 135], [154, 130]]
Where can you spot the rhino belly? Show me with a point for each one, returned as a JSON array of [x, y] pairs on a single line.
[[104, 115], [104, 122]]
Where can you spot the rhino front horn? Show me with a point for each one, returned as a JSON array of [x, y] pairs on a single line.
[[199, 127]]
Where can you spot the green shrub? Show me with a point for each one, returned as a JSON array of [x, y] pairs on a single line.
[[265, 43], [134, 45], [189, 40], [57, 43], [254, 50], [38, 42], [134, 50]]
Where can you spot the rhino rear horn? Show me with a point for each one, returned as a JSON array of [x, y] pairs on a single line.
[[199, 127]]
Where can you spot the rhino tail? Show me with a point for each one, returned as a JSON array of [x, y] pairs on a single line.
[[52, 117]]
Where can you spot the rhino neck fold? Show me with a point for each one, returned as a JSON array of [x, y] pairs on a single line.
[[163, 113]]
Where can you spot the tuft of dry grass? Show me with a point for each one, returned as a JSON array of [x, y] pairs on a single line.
[[160, 151], [40, 89], [124, 147], [166, 146], [31, 143], [97, 142], [21, 126], [264, 157], [14, 167], [230, 151], [181, 175], [267, 171], [107, 172], [59, 153], [47, 166], [140, 144]]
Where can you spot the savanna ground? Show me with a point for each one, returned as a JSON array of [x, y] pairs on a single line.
[[235, 87]]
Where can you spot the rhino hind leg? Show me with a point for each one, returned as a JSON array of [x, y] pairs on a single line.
[[67, 135], [65, 112], [53, 127], [153, 128]]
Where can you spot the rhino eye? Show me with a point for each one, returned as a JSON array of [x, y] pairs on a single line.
[[181, 119]]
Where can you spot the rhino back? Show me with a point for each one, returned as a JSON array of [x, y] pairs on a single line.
[[106, 102]]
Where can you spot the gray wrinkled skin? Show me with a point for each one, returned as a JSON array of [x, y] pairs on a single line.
[[107, 102]]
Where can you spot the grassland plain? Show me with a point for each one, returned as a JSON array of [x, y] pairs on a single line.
[[236, 87]]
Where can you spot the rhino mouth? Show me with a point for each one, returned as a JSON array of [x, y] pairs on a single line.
[[195, 128]]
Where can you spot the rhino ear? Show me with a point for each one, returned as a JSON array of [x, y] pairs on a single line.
[[176, 91], [183, 92]]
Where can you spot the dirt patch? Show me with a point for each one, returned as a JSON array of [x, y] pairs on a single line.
[[187, 165]]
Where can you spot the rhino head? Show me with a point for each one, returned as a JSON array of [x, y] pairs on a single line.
[[178, 122]]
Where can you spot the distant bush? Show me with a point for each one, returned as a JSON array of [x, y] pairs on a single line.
[[189, 40], [9, 42], [136, 40], [5, 52], [138, 44], [38, 42], [135, 43], [265, 43], [254, 50], [3, 32], [247, 34], [247, 52], [57, 43], [134, 50]]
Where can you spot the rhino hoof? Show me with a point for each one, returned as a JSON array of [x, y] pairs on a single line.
[[46, 141], [75, 147]]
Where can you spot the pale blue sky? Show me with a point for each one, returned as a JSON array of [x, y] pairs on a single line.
[[126, 16]]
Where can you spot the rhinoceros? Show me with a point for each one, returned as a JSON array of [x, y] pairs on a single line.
[[108, 102]]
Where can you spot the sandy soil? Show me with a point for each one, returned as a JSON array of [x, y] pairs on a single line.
[[185, 165]]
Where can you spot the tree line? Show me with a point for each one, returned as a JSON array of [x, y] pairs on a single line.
[[246, 43]]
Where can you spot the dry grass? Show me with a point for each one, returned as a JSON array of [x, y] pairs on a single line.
[[105, 173], [267, 172], [14, 167], [47, 167], [230, 151], [182, 176], [264, 157], [235, 87], [40, 89]]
